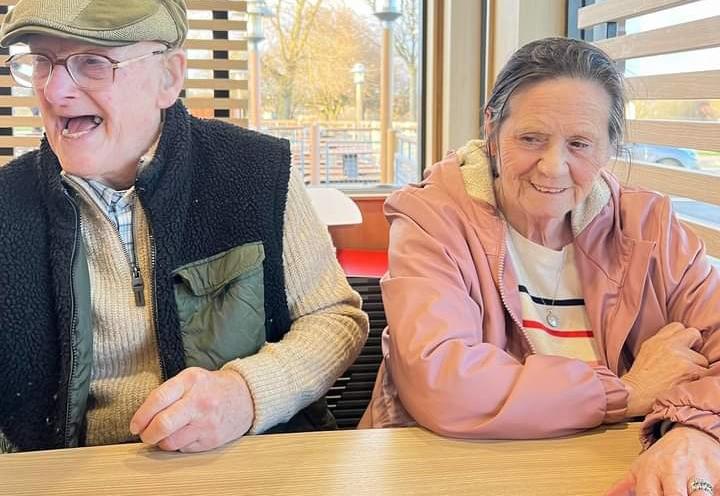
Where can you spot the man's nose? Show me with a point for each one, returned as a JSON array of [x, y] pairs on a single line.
[[59, 85]]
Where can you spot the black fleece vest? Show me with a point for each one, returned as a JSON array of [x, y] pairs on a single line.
[[210, 187]]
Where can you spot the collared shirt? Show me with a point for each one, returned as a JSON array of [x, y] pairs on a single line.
[[116, 205]]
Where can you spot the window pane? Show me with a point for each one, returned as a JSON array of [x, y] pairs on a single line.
[[698, 211], [319, 70], [702, 110], [691, 11]]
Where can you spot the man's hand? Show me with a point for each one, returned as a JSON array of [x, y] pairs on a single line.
[[197, 410]]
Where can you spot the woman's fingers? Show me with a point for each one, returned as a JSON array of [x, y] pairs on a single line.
[[689, 338], [648, 484], [701, 484]]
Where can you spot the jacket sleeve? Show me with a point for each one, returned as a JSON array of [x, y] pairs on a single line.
[[693, 288], [328, 328], [447, 377]]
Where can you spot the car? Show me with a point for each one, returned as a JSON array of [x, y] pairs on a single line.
[[665, 155]]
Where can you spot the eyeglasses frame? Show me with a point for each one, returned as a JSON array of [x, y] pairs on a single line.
[[115, 64]]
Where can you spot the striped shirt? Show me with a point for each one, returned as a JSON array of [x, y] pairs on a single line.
[[539, 271], [116, 205]]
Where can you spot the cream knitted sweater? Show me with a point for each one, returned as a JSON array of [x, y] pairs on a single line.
[[326, 335]]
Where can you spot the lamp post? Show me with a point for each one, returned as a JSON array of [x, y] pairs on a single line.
[[358, 72], [256, 10], [387, 11]]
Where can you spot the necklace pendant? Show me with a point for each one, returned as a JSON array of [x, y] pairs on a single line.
[[552, 319]]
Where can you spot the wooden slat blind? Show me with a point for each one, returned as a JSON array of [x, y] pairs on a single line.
[[703, 85], [684, 134], [216, 86], [682, 86], [679, 38], [618, 10]]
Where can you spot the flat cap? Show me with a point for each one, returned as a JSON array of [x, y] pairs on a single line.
[[99, 22]]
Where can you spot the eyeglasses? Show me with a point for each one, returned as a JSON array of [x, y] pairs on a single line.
[[89, 71]]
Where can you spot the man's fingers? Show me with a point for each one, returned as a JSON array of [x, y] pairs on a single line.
[[202, 444], [169, 421], [182, 438], [159, 399]]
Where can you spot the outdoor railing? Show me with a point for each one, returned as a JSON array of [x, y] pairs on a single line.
[[341, 155]]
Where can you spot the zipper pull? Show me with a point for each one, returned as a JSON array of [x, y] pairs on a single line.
[[138, 286]]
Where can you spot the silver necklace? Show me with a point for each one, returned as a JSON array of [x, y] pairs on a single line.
[[552, 319]]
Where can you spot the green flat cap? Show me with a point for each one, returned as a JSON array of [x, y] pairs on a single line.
[[100, 22]]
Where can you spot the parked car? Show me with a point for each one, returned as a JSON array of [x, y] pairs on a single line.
[[666, 155]]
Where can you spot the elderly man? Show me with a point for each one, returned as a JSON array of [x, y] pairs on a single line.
[[163, 277]]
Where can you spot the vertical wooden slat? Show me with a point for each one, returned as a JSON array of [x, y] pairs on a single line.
[[6, 153], [221, 54]]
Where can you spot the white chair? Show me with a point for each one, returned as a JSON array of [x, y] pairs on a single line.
[[334, 207]]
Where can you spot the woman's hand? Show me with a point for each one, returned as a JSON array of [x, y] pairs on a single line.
[[665, 360], [670, 466]]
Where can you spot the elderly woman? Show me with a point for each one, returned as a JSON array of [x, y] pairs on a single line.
[[530, 295], [164, 277]]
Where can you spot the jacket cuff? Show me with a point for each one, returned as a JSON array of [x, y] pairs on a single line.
[[687, 415], [616, 395], [272, 398]]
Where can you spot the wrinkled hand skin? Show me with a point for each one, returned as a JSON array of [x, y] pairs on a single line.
[[665, 360], [668, 466], [197, 410]]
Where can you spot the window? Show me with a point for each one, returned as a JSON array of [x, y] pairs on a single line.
[[670, 53], [319, 67]]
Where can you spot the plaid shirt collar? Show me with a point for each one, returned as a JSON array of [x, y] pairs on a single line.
[[109, 200]]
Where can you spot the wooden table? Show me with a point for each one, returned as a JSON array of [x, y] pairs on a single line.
[[371, 462]]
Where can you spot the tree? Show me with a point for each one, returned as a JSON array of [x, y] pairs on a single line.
[[291, 29], [340, 40], [307, 67]]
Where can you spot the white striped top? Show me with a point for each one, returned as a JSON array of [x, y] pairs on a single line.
[[539, 271]]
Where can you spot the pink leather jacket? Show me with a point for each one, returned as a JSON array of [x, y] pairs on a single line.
[[455, 358]]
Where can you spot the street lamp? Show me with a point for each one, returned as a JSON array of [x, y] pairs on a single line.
[[256, 10], [387, 11], [358, 72]]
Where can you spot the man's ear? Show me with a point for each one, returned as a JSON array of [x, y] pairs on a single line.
[[173, 77]]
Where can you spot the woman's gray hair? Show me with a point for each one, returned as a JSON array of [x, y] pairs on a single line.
[[553, 58]]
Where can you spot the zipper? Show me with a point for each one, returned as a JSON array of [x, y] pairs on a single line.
[[138, 285], [153, 282], [503, 298], [73, 324], [153, 294]]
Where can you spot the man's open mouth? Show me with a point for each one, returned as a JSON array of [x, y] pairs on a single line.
[[78, 126]]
